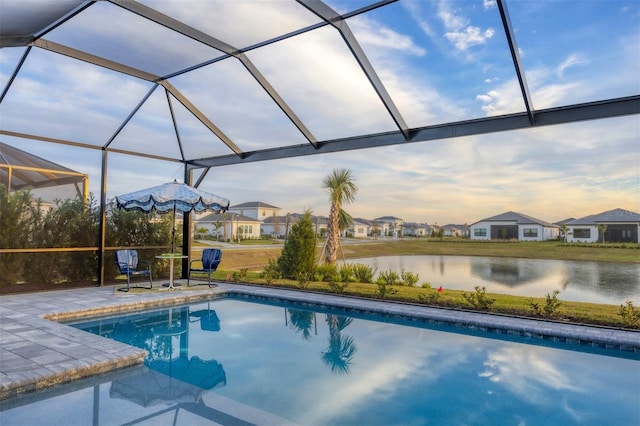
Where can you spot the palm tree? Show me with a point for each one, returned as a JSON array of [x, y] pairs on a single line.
[[342, 190], [224, 229], [601, 230], [563, 230], [217, 225], [344, 220]]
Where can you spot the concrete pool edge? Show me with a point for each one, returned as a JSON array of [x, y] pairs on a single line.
[[37, 352]]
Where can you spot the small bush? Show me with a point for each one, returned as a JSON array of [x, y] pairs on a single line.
[[326, 273], [303, 279], [430, 296], [630, 316], [389, 277], [409, 278], [384, 289], [364, 273], [271, 271], [338, 287], [479, 299], [347, 273], [551, 305]]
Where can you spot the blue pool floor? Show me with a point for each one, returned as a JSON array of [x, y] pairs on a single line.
[[37, 352]]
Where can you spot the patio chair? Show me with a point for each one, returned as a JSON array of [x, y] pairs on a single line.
[[210, 260], [127, 262]]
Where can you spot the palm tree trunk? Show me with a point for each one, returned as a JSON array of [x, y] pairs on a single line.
[[333, 235]]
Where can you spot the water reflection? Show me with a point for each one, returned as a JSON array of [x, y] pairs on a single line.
[[511, 272], [581, 281], [302, 321], [343, 369], [171, 373], [342, 348]]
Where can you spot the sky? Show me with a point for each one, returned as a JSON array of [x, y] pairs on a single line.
[[440, 61]]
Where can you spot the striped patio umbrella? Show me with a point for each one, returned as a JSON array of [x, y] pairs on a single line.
[[171, 197]]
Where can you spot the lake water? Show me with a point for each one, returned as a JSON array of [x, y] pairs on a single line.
[[597, 282]]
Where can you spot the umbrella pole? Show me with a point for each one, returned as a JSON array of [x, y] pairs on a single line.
[[173, 231]]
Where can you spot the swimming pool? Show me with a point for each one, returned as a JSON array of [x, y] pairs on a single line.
[[271, 362]]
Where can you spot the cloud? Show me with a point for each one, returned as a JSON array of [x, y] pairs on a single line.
[[571, 61], [489, 4], [458, 30], [549, 172], [375, 35], [469, 36], [503, 99]]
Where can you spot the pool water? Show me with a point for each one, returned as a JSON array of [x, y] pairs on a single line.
[[276, 363]]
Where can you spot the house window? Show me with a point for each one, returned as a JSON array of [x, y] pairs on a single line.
[[480, 232], [582, 233], [530, 233], [245, 229]]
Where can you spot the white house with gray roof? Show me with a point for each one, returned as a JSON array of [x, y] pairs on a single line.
[[392, 225], [231, 226], [619, 226], [280, 226], [513, 226], [415, 229], [255, 209]]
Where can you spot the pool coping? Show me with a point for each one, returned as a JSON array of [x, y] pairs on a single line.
[[37, 351]]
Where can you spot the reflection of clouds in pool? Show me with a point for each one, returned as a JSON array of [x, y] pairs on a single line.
[[527, 371], [388, 361]]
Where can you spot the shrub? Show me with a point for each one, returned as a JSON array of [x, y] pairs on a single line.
[[271, 271], [364, 273], [431, 296], [409, 278], [479, 299], [303, 279], [326, 273], [338, 287], [630, 316], [551, 305], [298, 254], [347, 273], [70, 224], [384, 289], [15, 225], [389, 277]]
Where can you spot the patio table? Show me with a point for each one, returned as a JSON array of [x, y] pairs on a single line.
[[171, 257]]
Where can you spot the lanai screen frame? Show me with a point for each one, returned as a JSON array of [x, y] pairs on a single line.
[[529, 118]]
